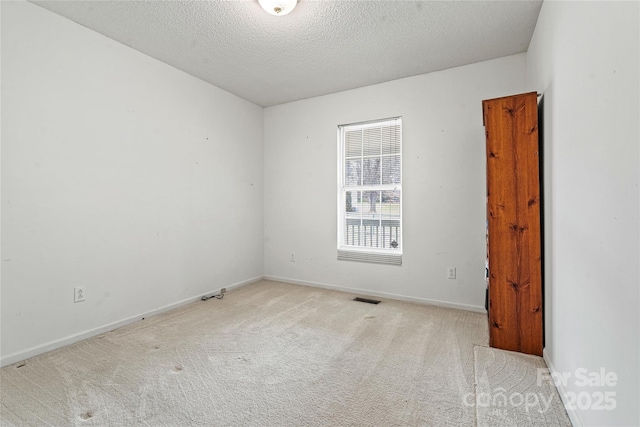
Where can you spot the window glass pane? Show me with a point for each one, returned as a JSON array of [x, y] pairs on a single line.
[[391, 140], [352, 172], [371, 204], [390, 234], [352, 235], [371, 142], [370, 233], [390, 205], [370, 229], [353, 143], [390, 224], [352, 203], [352, 220], [391, 170], [371, 171]]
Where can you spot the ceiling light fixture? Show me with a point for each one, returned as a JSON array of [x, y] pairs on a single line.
[[278, 7]]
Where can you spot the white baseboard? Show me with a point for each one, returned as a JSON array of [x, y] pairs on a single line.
[[475, 308], [52, 345], [573, 415]]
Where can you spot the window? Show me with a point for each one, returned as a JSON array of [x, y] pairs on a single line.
[[370, 192]]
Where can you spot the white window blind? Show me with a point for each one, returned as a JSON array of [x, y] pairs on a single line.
[[370, 192]]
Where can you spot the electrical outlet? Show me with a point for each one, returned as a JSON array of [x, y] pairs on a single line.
[[451, 273], [293, 257], [78, 294], [223, 290]]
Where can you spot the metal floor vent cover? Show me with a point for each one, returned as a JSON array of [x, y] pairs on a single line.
[[367, 300]]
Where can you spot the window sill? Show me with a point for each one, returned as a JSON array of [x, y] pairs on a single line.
[[372, 257]]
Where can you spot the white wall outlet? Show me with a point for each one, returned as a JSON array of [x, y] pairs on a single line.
[[78, 294], [293, 257], [451, 273]]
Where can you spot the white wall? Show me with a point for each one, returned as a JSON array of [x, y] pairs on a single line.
[[119, 173], [443, 183], [584, 57]]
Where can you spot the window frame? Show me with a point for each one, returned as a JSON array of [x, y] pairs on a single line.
[[363, 253]]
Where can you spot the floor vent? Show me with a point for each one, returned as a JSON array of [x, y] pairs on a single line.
[[367, 300]]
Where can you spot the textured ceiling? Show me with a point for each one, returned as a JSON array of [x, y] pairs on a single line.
[[321, 47]]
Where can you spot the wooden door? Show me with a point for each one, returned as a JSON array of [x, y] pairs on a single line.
[[513, 214]]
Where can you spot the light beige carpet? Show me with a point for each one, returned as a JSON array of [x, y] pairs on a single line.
[[268, 354], [515, 389]]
